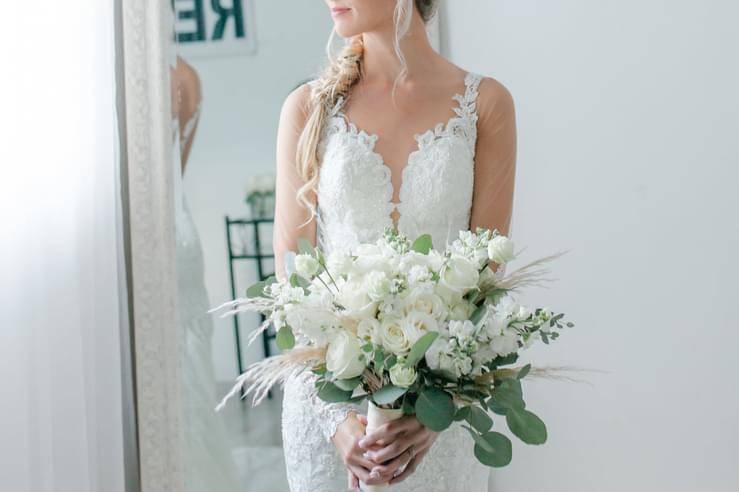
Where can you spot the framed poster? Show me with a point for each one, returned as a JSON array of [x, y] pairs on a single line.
[[210, 28]]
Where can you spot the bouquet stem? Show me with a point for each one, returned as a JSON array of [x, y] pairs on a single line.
[[377, 416]]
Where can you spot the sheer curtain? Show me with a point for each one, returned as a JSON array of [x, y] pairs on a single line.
[[60, 363]]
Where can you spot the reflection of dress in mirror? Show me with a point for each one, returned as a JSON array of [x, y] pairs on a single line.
[[209, 465]]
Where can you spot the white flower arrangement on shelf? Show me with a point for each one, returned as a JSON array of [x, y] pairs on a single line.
[[413, 330], [260, 195]]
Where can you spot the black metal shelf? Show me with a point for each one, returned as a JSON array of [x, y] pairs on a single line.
[[249, 249]]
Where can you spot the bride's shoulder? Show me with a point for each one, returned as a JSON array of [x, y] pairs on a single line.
[[494, 99], [296, 106]]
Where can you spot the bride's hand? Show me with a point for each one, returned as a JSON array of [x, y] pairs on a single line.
[[346, 439], [401, 442]]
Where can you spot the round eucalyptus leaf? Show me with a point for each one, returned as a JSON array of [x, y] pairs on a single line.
[[331, 393], [479, 419], [526, 426], [497, 450], [435, 409], [285, 339]]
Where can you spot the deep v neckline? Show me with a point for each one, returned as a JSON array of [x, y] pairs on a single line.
[[466, 102]]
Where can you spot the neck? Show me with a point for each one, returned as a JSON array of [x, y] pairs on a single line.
[[380, 62]]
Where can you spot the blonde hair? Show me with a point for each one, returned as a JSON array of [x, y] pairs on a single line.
[[342, 73]]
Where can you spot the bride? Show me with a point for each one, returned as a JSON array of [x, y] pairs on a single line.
[[360, 149]]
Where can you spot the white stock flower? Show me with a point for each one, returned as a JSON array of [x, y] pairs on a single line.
[[402, 376], [462, 329], [306, 266], [344, 357], [339, 263], [460, 275], [505, 344], [500, 250], [377, 285], [316, 323]]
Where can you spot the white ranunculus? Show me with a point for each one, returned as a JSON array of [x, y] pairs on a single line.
[[500, 250], [402, 376], [377, 284], [306, 266], [460, 275], [344, 357], [393, 337], [368, 329]]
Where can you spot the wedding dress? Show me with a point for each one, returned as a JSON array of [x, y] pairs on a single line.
[[209, 465], [354, 198]]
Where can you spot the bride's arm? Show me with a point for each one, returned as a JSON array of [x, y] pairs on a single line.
[[495, 159], [339, 422]]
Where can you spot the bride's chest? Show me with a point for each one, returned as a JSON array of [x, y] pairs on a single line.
[[354, 177]]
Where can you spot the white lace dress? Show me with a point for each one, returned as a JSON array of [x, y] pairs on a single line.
[[354, 206]]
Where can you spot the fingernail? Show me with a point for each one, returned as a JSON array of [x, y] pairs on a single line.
[[362, 443], [366, 456], [374, 474]]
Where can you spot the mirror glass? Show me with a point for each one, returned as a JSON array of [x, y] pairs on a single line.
[[232, 65]]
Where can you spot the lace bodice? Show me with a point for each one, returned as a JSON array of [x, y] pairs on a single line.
[[355, 188], [354, 198]]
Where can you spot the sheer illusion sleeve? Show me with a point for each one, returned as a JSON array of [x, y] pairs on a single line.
[[495, 159], [290, 225]]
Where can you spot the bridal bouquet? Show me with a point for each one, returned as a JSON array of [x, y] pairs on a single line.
[[411, 329]]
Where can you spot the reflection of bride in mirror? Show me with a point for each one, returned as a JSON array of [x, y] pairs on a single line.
[[208, 462], [362, 148]]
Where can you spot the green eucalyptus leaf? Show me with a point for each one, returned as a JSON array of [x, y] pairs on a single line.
[[526, 426], [298, 281], [331, 393], [423, 244], [461, 414], [285, 339], [419, 348], [435, 409], [388, 394], [479, 419], [478, 314], [508, 395], [497, 451], [348, 384], [257, 290], [523, 372]]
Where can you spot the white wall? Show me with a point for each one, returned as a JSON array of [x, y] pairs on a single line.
[[242, 97], [629, 154]]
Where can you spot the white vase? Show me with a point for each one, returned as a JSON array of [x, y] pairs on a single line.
[[377, 416]]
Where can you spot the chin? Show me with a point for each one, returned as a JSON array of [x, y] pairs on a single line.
[[348, 28]]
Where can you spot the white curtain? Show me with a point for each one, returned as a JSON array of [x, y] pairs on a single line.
[[60, 363]]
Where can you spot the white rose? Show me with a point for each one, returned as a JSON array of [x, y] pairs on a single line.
[[378, 285], [393, 336], [417, 324], [460, 275], [402, 376], [368, 329], [344, 357], [353, 297], [424, 301], [306, 266], [500, 250]]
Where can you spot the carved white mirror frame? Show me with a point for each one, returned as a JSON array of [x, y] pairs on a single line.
[[146, 46]]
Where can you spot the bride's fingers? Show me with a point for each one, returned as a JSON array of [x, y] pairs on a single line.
[[396, 448], [389, 469], [387, 432], [353, 481], [362, 419], [365, 477], [412, 465]]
